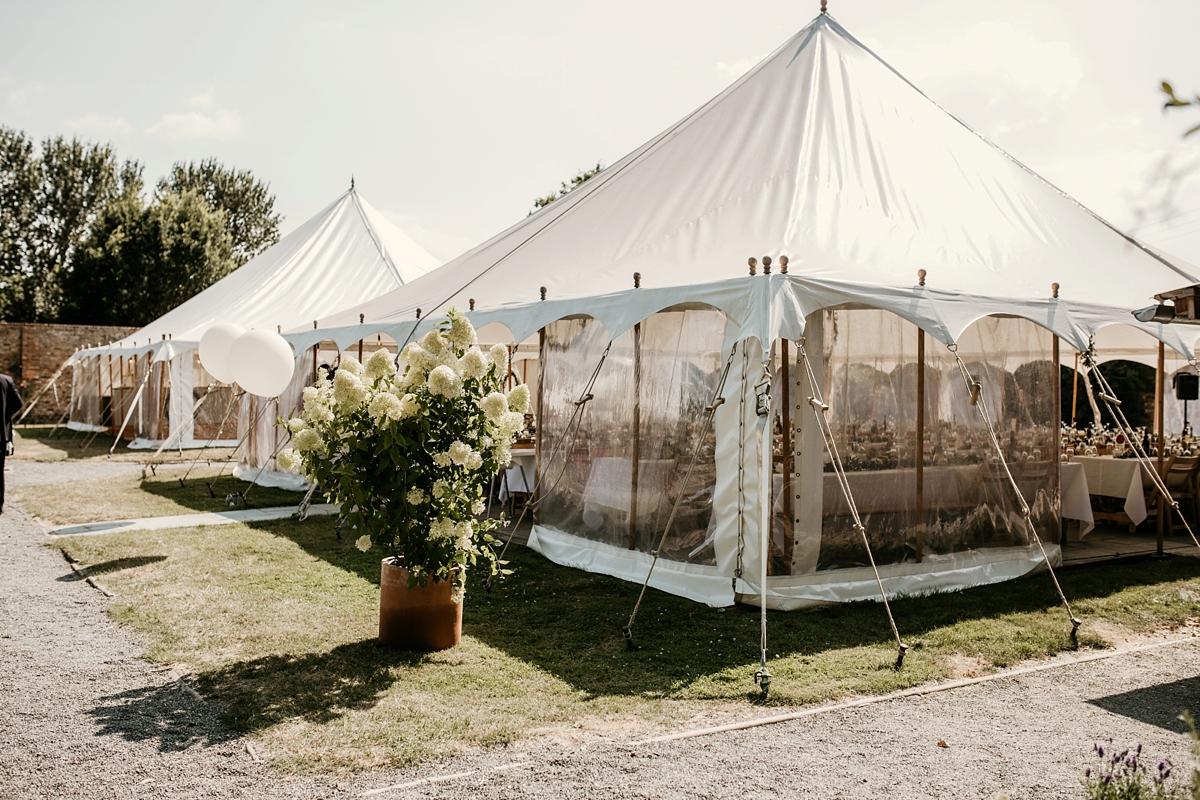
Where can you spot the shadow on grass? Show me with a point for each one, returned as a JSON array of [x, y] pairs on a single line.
[[1159, 705], [568, 623], [164, 713], [315, 687], [209, 493], [113, 566]]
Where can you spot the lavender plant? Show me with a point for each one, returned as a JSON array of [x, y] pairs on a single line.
[[1122, 775]]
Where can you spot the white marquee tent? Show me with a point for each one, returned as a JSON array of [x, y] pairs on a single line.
[[824, 154], [344, 255]]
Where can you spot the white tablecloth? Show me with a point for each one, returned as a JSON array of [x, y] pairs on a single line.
[[610, 480], [1117, 477], [1076, 504], [519, 475]]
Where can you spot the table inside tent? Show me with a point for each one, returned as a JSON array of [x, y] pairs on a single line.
[[610, 481], [1117, 477], [518, 477]]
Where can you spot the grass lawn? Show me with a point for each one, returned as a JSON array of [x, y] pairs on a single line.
[[34, 443], [130, 495], [278, 621]]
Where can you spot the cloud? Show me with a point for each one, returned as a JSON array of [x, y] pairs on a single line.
[[999, 78], [207, 122], [728, 73], [19, 94], [99, 122]]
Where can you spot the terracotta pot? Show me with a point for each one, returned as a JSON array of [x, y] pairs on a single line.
[[421, 618]]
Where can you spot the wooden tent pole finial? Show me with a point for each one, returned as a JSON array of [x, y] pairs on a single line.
[[823, 9], [920, 277], [783, 262], [766, 265], [753, 262], [1054, 290]]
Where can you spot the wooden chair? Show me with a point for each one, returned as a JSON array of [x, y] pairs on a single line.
[[1181, 474]]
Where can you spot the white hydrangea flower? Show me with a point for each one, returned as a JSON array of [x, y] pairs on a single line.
[[474, 364], [311, 395], [510, 423], [416, 497], [287, 459], [433, 343], [502, 453], [445, 382], [518, 399], [350, 364], [440, 487], [461, 333], [459, 453], [441, 459], [442, 528], [478, 507], [499, 356], [494, 406], [363, 543], [380, 365], [474, 461], [308, 440], [418, 359], [317, 413], [348, 390], [295, 425], [409, 406], [385, 405], [465, 532]]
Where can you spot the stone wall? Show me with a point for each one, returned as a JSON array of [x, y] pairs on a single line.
[[30, 352]]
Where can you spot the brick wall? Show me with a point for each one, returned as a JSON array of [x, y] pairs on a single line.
[[30, 352]]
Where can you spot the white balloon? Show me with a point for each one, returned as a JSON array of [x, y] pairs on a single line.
[[214, 349], [262, 363]]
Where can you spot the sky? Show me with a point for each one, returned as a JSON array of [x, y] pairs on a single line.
[[453, 117]]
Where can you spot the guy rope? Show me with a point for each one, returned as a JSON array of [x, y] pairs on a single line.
[[710, 413], [974, 388], [570, 434], [821, 409], [1114, 406]]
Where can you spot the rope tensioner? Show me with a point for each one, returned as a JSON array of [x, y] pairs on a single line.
[[718, 399], [819, 405], [975, 387]]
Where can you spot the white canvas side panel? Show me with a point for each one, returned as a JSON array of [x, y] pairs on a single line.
[[182, 399], [735, 496], [809, 453], [153, 444], [86, 427], [695, 582], [270, 477], [937, 573]]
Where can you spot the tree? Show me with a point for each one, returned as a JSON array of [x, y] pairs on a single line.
[[580, 178], [140, 261], [51, 198], [249, 207]]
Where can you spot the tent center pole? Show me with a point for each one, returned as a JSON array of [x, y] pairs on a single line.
[[541, 420], [636, 456], [1075, 389], [1159, 398], [789, 459], [1056, 429], [919, 446]]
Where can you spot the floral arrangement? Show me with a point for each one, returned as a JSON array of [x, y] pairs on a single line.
[[406, 448]]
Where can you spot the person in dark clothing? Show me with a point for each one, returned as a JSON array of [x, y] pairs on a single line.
[[10, 404]]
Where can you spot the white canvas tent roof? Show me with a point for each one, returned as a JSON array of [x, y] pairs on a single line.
[[825, 154], [346, 254]]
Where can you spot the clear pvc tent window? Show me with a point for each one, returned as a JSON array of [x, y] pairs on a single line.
[[868, 365], [613, 469]]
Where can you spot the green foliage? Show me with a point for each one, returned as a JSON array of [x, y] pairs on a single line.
[[247, 202], [580, 178], [407, 455], [1133, 383], [1174, 101], [140, 261], [51, 198]]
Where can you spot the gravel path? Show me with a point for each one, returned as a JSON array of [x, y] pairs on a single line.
[[18, 472], [81, 715]]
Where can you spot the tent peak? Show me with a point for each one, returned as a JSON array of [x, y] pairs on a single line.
[[352, 181]]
